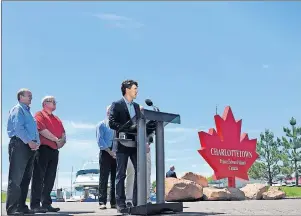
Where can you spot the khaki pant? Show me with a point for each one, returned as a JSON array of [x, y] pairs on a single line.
[[130, 176]]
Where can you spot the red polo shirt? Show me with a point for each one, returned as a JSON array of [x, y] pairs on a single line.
[[51, 123]]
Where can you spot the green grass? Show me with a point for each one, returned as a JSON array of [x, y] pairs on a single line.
[[292, 191], [3, 197]]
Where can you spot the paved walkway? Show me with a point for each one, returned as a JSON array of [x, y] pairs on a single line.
[[253, 207]]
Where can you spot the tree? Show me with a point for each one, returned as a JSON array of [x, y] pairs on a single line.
[[257, 171], [153, 185], [287, 169], [292, 145], [267, 165], [209, 179]]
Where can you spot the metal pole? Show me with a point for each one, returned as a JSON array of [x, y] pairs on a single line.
[[231, 182], [141, 163], [160, 164], [71, 179]]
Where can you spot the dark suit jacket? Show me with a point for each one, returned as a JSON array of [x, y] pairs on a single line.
[[119, 115], [171, 174]]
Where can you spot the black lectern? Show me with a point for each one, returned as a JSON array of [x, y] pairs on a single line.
[[149, 122]]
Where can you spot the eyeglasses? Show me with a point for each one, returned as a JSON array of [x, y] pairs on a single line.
[[50, 101]]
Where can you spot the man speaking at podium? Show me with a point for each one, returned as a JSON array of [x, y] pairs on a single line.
[[121, 112]]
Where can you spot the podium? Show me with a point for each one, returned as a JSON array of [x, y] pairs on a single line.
[[149, 122]]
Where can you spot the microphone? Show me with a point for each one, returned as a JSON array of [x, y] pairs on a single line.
[[150, 103]]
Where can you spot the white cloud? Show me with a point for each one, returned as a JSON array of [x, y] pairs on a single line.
[[265, 66], [76, 151], [78, 125], [117, 21], [72, 127], [180, 130], [112, 17], [171, 159], [78, 144], [82, 125]]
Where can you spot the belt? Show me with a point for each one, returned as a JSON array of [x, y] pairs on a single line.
[[15, 137]]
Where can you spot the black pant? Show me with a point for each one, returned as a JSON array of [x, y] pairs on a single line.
[[20, 172], [107, 166], [122, 161], [44, 173]]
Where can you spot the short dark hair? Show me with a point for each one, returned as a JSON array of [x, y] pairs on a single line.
[[22, 92], [127, 84]]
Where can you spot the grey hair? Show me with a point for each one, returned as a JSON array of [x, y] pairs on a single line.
[[47, 98]]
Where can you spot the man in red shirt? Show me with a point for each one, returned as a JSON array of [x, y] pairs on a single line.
[[52, 136]]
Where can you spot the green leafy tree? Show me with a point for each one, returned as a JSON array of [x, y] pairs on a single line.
[[287, 169], [257, 171], [267, 165], [209, 179], [292, 145], [153, 185]]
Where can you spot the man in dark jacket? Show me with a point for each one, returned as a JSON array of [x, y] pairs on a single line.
[[121, 112], [171, 173]]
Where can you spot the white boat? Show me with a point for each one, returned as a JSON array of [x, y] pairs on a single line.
[[87, 177]]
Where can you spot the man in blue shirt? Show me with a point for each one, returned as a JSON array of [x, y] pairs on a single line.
[[24, 141], [107, 162], [171, 173]]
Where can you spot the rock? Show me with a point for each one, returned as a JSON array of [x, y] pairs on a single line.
[[254, 191], [201, 180], [182, 190], [220, 194], [236, 194], [216, 194], [273, 193]]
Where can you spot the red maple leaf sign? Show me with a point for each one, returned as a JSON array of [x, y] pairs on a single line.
[[227, 152]]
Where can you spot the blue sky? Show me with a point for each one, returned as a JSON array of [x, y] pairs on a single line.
[[187, 56]]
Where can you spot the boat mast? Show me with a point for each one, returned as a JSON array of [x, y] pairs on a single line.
[[71, 180]]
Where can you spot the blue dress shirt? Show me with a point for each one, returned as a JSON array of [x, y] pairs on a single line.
[[104, 135], [130, 107], [22, 124]]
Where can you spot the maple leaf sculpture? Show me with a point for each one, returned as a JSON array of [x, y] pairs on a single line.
[[228, 153]]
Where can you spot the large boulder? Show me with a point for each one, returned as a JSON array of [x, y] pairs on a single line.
[[236, 194], [201, 180], [182, 190], [273, 193], [221, 194], [215, 194], [254, 191]]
